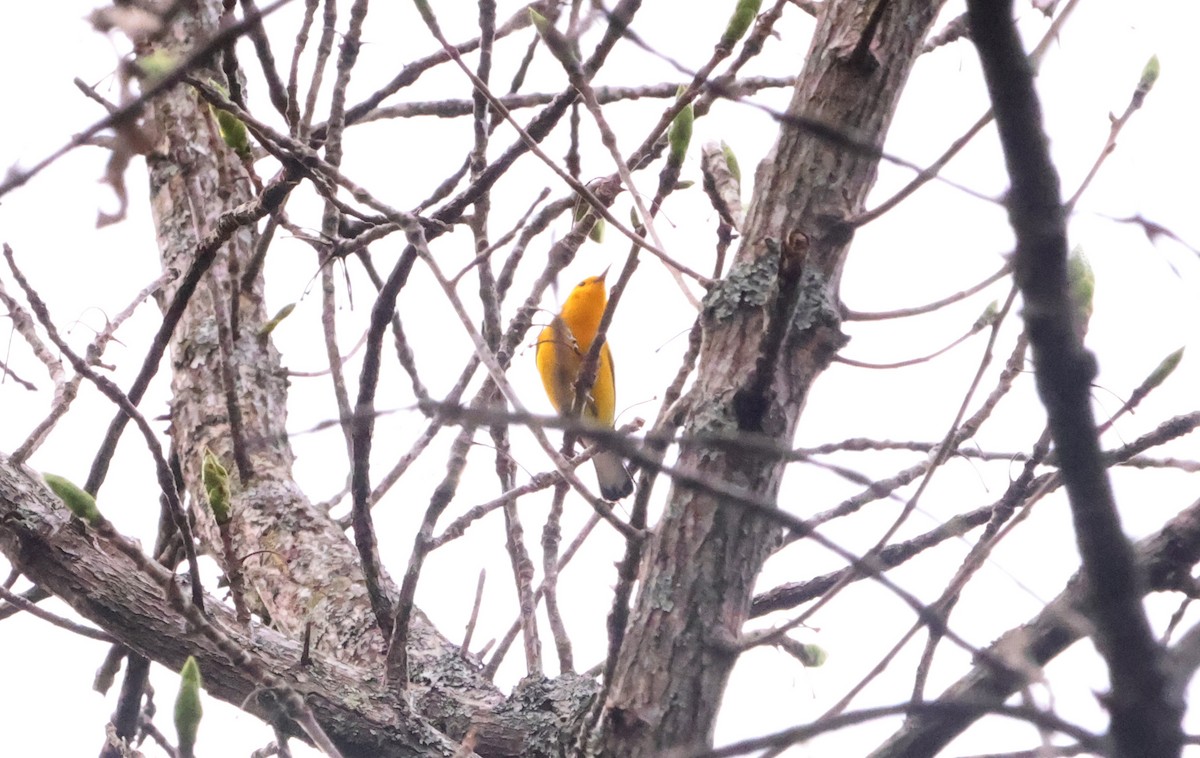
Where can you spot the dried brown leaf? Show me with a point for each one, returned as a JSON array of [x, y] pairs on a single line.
[[135, 23]]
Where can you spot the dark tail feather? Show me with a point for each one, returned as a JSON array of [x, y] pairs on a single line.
[[615, 481]]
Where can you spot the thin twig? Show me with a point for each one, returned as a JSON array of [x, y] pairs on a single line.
[[18, 177], [465, 647], [17, 601], [166, 480], [851, 315], [201, 259]]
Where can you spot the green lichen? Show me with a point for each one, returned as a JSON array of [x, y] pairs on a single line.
[[747, 285], [713, 419], [816, 307], [662, 592]]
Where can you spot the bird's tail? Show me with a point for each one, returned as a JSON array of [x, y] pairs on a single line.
[[614, 479]]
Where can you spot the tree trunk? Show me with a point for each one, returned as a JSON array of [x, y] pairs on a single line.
[[305, 571], [698, 572]]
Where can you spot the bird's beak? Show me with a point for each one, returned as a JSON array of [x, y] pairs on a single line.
[[604, 273]]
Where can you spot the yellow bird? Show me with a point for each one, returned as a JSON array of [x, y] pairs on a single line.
[[561, 348]]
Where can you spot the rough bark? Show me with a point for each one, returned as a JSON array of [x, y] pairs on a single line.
[[310, 573], [40, 536], [354, 706], [699, 570]]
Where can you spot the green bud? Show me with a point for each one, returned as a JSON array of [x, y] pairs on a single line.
[[680, 132], [596, 233], [1160, 374], [187, 706], [988, 317], [813, 656], [556, 43], [154, 66], [233, 131], [80, 503], [722, 182], [1081, 283], [1149, 75], [540, 22], [216, 486], [283, 313], [684, 184], [731, 161], [743, 16]]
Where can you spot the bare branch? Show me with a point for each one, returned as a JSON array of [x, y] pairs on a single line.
[[1144, 722]]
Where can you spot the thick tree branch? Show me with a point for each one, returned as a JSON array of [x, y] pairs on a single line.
[[699, 568], [103, 585]]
